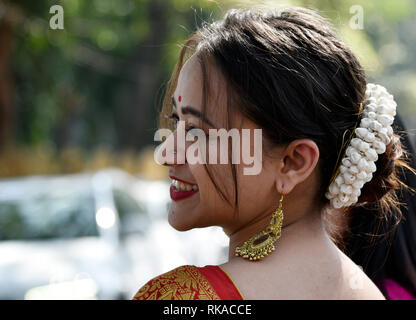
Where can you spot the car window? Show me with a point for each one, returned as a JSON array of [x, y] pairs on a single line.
[[126, 204], [132, 212], [64, 215]]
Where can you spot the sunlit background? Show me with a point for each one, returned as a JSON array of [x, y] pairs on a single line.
[[82, 203]]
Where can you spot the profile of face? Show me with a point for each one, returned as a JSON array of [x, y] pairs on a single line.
[[197, 200]]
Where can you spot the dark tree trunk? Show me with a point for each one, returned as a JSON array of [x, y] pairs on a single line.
[[6, 81], [144, 67]]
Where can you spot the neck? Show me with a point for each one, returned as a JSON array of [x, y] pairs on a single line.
[[309, 226]]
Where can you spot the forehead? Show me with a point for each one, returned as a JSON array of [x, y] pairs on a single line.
[[191, 82], [189, 85], [190, 72]]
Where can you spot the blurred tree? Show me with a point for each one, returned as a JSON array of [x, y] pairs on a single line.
[[143, 67], [8, 16], [99, 82]]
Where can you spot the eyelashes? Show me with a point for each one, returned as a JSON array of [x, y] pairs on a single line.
[[174, 119]]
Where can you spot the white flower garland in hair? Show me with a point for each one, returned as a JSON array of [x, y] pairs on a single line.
[[371, 138]]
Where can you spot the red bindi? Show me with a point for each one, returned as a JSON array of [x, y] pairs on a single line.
[[180, 98]]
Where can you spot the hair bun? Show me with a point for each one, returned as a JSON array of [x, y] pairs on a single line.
[[371, 139], [385, 179]]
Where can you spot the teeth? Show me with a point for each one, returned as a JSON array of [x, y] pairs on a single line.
[[179, 185]]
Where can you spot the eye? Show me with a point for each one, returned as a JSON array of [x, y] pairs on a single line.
[[190, 127], [174, 119]]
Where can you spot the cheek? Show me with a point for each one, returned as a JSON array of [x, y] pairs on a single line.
[[256, 194], [253, 188], [216, 180], [210, 198]]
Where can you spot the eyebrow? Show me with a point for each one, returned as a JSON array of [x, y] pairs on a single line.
[[191, 110]]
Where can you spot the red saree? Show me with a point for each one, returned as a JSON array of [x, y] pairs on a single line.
[[190, 283]]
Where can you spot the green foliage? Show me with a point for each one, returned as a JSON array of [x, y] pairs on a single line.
[[99, 81]]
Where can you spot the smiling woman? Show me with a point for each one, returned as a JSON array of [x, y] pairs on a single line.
[[288, 75]]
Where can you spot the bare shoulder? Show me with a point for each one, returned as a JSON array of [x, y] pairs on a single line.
[[318, 278], [357, 285]]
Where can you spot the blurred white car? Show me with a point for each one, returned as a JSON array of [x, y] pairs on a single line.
[[92, 236], [60, 235]]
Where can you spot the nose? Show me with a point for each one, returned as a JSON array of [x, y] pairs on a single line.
[[171, 152]]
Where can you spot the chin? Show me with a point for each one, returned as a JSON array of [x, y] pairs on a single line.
[[184, 220], [179, 220]]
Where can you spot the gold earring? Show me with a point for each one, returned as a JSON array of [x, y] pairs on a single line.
[[262, 244]]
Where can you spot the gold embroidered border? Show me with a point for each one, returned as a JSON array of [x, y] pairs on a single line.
[[182, 283]]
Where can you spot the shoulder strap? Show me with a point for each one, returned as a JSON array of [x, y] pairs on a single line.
[[221, 282]]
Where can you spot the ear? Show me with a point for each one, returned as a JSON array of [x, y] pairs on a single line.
[[298, 161]]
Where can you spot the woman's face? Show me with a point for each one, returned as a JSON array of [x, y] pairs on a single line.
[[197, 202]]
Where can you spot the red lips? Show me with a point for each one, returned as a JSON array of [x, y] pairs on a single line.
[[174, 178], [176, 194]]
